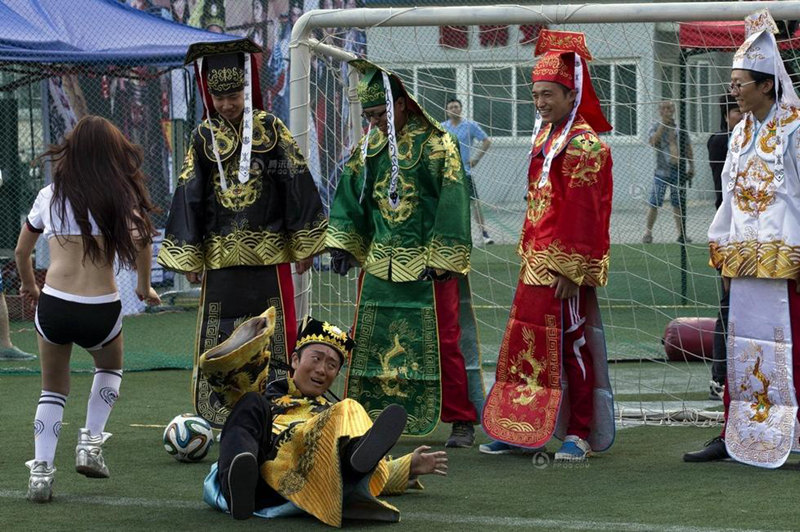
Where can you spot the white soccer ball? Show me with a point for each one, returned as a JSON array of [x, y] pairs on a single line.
[[188, 438]]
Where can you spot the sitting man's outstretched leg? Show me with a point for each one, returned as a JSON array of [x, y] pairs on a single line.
[[362, 455], [246, 440]]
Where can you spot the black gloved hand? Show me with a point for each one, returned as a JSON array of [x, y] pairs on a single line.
[[430, 274], [341, 261]]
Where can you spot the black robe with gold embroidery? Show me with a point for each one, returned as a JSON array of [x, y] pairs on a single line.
[[242, 238], [275, 217]]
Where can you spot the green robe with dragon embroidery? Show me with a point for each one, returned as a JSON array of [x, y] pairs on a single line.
[[397, 353], [431, 224]]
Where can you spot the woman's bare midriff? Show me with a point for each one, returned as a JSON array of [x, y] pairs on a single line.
[[69, 272]]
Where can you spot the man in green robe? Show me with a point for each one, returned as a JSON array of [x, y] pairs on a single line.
[[401, 212]]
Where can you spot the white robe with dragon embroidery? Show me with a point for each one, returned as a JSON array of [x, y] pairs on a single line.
[[755, 240]]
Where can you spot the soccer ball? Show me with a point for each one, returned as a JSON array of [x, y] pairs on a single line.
[[188, 438]]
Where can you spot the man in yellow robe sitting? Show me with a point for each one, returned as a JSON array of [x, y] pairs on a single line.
[[287, 449]]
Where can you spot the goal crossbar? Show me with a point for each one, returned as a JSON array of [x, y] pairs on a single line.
[[301, 45]]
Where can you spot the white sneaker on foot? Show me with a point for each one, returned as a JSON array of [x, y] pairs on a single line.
[[40, 483], [89, 454]]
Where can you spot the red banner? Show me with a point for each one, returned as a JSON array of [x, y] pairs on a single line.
[[522, 407]]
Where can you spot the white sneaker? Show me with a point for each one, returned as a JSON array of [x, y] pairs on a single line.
[[40, 483], [574, 449], [89, 454]]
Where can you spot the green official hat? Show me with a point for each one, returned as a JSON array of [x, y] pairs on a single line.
[[371, 91]]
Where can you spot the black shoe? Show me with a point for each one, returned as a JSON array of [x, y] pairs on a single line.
[[242, 479], [716, 391], [714, 450], [462, 435], [378, 440]]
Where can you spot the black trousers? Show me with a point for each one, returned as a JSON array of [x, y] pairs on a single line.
[[719, 364], [248, 429]]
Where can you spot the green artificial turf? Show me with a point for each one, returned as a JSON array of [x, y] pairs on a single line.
[[639, 484], [642, 296], [152, 340]]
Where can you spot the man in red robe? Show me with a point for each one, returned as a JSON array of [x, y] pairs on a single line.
[[552, 376]]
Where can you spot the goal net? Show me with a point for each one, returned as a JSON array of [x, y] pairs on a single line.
[[481, 55], [638, 67]]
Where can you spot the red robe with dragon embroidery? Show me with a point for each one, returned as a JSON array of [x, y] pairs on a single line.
[[566, 231]]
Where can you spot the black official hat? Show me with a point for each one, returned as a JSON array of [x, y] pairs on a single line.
[[225, 73], [313, 331]]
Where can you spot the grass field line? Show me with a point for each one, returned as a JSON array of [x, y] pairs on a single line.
[[514, 522], [602, 307], [562, 524], [113, 501]]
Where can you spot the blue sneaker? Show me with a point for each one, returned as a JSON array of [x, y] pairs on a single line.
[[574, 449], [499, 447]]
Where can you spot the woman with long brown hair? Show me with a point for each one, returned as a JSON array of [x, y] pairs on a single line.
[[96, 209]]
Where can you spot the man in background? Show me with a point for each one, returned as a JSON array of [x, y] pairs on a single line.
[[671, 171], [717, 151], [7, 349], [467, 132]]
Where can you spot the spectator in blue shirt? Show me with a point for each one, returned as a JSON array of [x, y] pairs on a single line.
[[468, 132]]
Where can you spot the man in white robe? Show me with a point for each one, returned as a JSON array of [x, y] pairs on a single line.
[[755, 240]]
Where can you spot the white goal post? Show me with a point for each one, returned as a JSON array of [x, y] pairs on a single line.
[[302, 44], [640, 62]]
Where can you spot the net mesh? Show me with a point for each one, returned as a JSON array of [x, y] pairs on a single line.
[[654, 278], [636, 67]]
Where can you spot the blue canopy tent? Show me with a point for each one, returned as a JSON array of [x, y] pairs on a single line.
[[95, 40], [41, 38]]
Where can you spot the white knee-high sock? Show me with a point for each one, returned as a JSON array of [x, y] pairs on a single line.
[[105, 390], [47, 426]]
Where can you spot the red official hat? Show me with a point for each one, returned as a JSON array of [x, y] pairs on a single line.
[[557, 64]]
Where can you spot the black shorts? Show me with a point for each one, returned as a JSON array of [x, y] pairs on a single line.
[[92, 322]]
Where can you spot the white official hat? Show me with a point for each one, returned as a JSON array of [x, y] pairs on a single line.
[[760, 53]]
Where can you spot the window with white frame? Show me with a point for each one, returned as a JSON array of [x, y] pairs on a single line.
[[493, 99], [616, 88], [431, 86], [699, 97], [500, 95], [498, 98]]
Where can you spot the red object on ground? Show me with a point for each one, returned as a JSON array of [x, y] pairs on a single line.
[[689, 339]]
